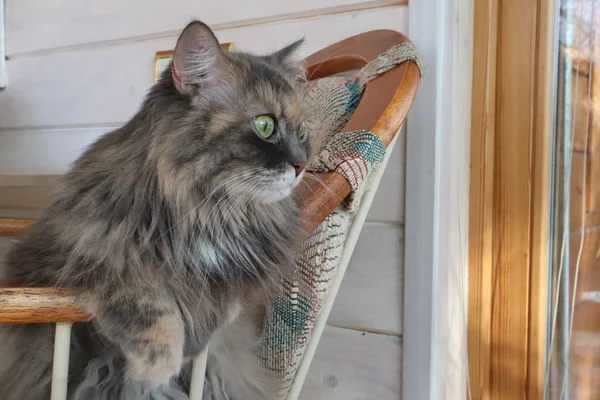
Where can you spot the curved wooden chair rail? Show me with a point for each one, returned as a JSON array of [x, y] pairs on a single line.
[[382, 110]]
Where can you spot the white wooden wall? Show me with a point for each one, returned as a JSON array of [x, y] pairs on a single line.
[[77, 69]]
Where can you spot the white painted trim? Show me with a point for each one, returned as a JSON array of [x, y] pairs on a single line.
[[437, 204], [349, 245], [60, 364], [3, 79]]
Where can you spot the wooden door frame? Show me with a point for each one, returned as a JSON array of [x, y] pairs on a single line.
[[437, 196], [509, 236]]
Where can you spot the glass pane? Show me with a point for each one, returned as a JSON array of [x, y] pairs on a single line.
[[574, 341]]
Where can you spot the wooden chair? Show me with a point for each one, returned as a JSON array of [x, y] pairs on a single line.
[[382, 110]]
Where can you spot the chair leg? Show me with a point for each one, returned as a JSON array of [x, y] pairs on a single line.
[[198, 372], [60, 365]]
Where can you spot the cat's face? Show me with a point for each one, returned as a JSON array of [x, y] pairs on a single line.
[[243, 130]]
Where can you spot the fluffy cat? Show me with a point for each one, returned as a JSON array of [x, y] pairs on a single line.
[[173, 230]]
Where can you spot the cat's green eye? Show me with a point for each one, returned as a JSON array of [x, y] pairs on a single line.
[[264, 125]]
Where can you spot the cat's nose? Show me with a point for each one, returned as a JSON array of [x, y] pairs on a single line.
[[299, 167]]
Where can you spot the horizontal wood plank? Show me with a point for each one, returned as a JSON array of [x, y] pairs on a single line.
[[39, 305], [353, 365], [34, 25], [371, 291], [83, 87]]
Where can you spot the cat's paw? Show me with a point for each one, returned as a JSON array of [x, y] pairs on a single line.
[[156, 367]]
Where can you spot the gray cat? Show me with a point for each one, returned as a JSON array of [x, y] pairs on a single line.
[[173, 230]]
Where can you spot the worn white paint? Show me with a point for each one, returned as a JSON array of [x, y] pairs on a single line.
[[105, 85], [35, 25], [373, 281], [44, 150], [437, 203], [354, 365], [388, 205]]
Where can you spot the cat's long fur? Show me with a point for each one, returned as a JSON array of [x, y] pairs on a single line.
[[173, 230]]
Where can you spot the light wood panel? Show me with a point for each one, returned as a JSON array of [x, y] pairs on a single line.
[[372, 286], [511, 131], [84, 88], [352, 365], [512, 193], [540, 207], [483, 126], [34, 25]]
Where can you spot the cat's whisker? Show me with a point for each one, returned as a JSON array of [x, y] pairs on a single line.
[[208, 197], [308, 187], [316, 178], [216, 208], [251, 185]]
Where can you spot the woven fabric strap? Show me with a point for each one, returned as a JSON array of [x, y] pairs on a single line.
[[293, 313], [355, 155], [388, 60]]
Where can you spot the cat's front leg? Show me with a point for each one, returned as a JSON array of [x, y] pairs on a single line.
[[149, 330]]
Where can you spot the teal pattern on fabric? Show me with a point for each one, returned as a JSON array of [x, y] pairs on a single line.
[[372, 150], [356, 91], [286, 322]]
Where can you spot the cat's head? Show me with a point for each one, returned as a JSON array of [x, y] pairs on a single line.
[[240, 118]]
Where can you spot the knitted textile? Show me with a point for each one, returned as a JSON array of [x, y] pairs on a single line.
[[355, 155]]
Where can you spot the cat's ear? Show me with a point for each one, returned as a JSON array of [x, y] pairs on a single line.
[[287, 54], [198, 59], [286, 58]]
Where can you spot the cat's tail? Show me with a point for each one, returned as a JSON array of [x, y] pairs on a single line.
[[234, 370], [26, 361]]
